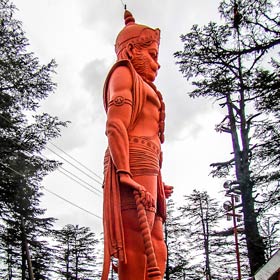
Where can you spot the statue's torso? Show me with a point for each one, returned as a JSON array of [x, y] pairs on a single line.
[[147, 122]]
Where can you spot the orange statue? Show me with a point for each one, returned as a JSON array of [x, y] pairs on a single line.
[[134, 194]]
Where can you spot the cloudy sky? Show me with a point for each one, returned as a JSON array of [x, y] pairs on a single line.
[[80, 36]]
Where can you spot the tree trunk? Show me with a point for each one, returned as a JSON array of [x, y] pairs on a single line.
[[167, 260], [26, 250], [204, 223], [76, 268], [254, 241], [67, 263], [23, 260], [10, 269]]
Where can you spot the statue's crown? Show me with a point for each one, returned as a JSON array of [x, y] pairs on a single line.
[[134, 33]]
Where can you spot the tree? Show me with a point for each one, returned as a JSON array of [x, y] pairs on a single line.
[[201, 214], [177, 266], [224, 62], [270, 229], [76, 252], [23, 84], [267, 151]]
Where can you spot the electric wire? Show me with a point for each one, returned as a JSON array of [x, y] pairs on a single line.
[[88, 169], [74, 166], [3, 164], [124, 5], [95, 174], [91, 189], [66, 200], [97, 191]]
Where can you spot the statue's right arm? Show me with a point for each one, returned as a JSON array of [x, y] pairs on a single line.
[[118, 119]]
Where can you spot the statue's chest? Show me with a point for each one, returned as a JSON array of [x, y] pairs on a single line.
[[152, 99]]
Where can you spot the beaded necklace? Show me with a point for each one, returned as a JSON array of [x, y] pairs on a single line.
[[161, 127]]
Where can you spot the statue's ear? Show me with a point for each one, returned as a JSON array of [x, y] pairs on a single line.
[[130, 50]]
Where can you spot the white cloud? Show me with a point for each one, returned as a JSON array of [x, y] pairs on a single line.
[[80, 35]]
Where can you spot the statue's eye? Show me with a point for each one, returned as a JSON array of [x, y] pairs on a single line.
[[153, 55]]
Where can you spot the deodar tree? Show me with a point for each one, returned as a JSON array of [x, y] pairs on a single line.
[[23, 84], [76, 253], [200, 216], [231, 63], [178, 264]]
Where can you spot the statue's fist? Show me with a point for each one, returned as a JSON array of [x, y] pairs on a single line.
[[168, 190], [146, 197]]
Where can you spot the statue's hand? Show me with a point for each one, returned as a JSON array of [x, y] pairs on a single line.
[[168, 190], [145, 196]]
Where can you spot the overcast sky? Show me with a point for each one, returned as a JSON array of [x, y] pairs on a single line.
[[80, 36]]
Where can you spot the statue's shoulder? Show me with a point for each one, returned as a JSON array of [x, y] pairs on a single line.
[[119, 76], [121, 70], [123, 64]]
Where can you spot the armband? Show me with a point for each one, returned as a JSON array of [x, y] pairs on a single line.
[[119, 101]]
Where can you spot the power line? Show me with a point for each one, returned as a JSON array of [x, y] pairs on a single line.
[[68, 162], [74, 166], [124, 5], [68, 201], [88, 169], [96, 191], [3, 164], [81, 208], [91, 189]]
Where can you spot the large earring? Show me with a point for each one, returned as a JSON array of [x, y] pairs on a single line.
[[129, 52]]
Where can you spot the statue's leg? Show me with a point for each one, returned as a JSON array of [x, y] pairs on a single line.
[[159, 244], [136, 266]]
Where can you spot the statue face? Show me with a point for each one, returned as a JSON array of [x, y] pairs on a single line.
[[145, 61]]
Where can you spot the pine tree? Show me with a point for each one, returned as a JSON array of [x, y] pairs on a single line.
[[226, 63], [23, 84], [177, 266], [76, 252], [267, 151], [270, 229], [211, 253]]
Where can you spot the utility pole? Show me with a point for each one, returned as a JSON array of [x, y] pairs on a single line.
[[230, 207]]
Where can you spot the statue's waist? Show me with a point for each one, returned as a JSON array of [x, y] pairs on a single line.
[[145, 142], [144, 156]]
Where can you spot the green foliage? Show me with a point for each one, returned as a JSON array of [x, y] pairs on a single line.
[[199, 241], [231, 63], [178, 256], [201, 215], [76, 252], [23, 84], [270, 229]]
